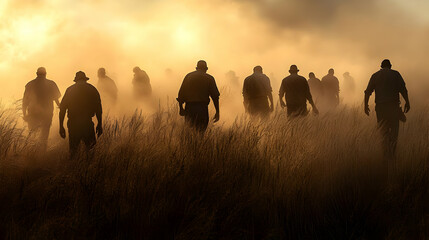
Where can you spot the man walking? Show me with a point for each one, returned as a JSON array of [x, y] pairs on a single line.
[[195, 91], [141, 84], [387, 84], [256, 92], [315, 86], [296, 91], [331, 89], [81, 101], [37, 105], [107, 88]]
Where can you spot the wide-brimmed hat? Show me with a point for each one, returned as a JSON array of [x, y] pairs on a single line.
[[293, 68], [202, 65], [80, 76]]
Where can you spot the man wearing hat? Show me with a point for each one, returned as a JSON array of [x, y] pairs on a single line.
[[387, 84], [81, 101], [296, 91], [331, 89], [37, 105], [196, 90], [256, 92]]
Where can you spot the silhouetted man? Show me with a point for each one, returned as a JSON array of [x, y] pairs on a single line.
[[37, 105], [315, 85], [296, 91], [195, 91], [232, 79], [331, 89], [107, 87], [349, 83], [81, 101], [387, 84], [141, 84], [256, 92]]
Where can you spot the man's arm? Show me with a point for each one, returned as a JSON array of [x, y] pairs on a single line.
[[99, 115], [63, 109], [281, 93], [404, 92], [270, 97], [370, 88], [216, 104], [310, 98], [25, 104], [269, 90]]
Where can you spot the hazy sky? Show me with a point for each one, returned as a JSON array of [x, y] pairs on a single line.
[[71, 35]]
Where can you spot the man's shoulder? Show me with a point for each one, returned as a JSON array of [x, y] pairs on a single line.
[[51, 83], [30, 83]]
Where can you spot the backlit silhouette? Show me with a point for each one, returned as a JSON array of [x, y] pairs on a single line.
[[107, 88], [388, 84], [296, 91], [331, 89], [316, 88], [37, 105], [256, 93], [195, 91], [141, 84], [81, 101]]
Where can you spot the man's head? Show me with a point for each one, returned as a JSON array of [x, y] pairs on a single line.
[[101, 72], [346, 74], [386, 64], [257, 69], [311, 75], [202, 66], [41, 72], [331, 71], [293, 69], [80, 76], [136, 70]]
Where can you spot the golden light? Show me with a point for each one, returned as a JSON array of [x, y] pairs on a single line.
[[25, 35]]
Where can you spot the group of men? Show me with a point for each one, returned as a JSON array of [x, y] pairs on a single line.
[[82, 100], [198, 87]]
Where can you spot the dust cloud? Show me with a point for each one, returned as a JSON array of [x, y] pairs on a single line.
[[166, 38]]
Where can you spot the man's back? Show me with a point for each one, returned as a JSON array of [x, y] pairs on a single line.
[[315, 85], [330, 84], [39, 96], [198, 86], [82, 101], [296, 90], [256, 85], [387, 84], [107, 85]]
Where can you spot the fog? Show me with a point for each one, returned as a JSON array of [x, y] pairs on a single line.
[[348, 35]]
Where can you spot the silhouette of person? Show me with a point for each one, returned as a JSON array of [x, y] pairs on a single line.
[[349, 83], [141, 84], [256, 92], [387, 84], [331, 89], [37, 105], [315, 86], [296, 91], [107, 87], [232, 78], [195, 91], [81, 101]]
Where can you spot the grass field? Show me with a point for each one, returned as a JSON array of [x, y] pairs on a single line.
[[149, 177]]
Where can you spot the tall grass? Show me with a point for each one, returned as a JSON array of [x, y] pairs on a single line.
[[151, 177]]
